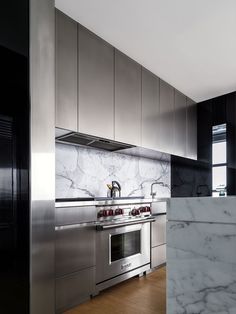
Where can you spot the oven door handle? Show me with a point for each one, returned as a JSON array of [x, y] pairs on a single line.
[[118, 225], [75, 226]]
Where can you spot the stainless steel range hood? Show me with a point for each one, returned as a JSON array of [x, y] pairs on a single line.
[[74, 138]]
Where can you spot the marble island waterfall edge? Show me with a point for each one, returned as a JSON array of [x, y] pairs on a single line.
[[201, 256]]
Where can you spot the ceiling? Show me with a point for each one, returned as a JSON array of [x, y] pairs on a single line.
[[190, 44]]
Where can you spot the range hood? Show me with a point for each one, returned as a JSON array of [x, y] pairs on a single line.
[[75, 138]]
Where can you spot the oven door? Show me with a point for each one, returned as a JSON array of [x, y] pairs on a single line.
[[121, 249]]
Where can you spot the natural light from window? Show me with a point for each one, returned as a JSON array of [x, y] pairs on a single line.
[[219, 161]]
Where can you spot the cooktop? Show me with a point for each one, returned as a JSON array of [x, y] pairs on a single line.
[[84, 199]]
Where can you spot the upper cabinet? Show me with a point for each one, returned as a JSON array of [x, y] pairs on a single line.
[[102, 92], [150, 110], [66, 72], [127, 100], [95, 85], [191, 146], [166, 131], [180, 124]]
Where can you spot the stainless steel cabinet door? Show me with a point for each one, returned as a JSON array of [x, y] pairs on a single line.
[[74, 289], [127, 100], [158, 256], [191, 129], [96, 85], [66, 72], [159, 231], [74, 248], [150, 110], [180, 124], [166, 117]]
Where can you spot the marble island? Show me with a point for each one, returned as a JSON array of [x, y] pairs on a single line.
[[201, 255]]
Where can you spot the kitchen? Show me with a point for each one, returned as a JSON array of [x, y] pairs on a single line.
[[106, 151]]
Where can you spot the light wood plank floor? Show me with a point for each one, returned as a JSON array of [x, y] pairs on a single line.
[[145, 295]]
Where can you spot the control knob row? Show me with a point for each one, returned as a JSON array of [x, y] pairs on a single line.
[[135, 212], [144, 209], [110, 212]]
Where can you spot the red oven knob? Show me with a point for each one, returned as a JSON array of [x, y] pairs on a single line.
[[105, 212], [119, 211], [100, 214], [148, 208], [137, 212], [111, 212]]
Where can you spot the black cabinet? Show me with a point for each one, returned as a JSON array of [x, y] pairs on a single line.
[[231, 143], [14, 154], [219, 110]]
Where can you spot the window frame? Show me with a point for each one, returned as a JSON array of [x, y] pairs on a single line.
[[219, 139]]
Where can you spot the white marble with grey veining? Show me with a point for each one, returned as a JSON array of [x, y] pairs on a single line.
[[201, 256], [204, 209], [84, 172]]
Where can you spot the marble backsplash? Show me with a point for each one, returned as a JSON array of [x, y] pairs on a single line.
[[84, 172]]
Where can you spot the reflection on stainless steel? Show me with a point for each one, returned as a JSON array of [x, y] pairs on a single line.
[[73, 214], [73, 289], [122, 243], [106, 268], [122, 240], [42, 156], [159, 207], [7, 173], [113, 281], [74, 204], [117, 224], [104, 202], [74, 255]]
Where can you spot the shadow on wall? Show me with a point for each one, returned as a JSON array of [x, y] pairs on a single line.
[[190, 178]]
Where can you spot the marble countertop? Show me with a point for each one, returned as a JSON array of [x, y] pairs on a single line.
[[203, 209]]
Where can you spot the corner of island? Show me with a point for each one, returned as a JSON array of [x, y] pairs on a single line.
[[201, 255]]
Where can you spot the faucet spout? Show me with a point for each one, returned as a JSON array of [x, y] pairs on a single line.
[[153, 194]]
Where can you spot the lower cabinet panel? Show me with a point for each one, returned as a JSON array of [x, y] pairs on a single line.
[[158, 255], [158, 234], [74, 289]]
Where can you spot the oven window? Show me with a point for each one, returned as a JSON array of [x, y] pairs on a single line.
[[125, 245]]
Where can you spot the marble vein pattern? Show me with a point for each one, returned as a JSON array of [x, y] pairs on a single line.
[[84, 172], [201, 268], [203, 209]]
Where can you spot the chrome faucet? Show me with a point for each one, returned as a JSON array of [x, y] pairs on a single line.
[[153, 194]]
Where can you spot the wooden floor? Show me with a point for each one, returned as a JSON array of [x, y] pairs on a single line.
[[145, 295]]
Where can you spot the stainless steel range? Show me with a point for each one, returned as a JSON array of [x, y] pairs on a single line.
[[122, 241]]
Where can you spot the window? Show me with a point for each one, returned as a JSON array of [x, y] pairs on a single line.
[[219, 160]]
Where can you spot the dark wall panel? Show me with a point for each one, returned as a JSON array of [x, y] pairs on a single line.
[[190, 178], [14, 160], [14, 25], [231, 143], [204, 127]]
